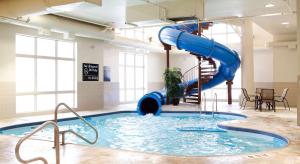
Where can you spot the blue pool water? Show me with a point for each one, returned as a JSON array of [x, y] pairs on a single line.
[[181, 134]]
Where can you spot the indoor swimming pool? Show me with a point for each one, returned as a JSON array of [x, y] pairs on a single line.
[[170, 133]]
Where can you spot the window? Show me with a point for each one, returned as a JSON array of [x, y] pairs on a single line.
[[45, 74], [228, 35], [145, 34], [132, 76]]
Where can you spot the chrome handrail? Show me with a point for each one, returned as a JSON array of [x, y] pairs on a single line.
[[56, 142], [70, 130], [215, 100]]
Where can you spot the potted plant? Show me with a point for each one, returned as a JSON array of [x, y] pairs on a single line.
[[172, 78]]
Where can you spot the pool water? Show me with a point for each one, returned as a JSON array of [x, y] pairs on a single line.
[[180, 134]]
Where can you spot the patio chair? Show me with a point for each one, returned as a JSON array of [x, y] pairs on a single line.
[[267, 96], [247, 98], [283, 99]]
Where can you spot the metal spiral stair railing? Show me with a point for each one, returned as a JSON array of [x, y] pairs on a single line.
[[208, 70]]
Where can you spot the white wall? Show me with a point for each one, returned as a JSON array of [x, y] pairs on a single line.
[[156, 65], [263, 65], [275, 67], [285, 64], [90, 94]]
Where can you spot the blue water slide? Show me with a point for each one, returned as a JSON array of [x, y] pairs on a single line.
[[181, 37]]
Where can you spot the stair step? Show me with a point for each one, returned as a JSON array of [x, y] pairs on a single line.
[[191, 98], [203, 68], [193, 95], [193, 102], [214, 71]]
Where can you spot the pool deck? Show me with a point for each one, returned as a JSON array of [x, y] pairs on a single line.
[[282, 122]]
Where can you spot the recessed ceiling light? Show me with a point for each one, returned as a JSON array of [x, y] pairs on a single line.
[[273, 14], [285, 23], [269, 5]]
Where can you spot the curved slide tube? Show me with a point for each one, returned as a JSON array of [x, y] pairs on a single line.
[[181, 37]]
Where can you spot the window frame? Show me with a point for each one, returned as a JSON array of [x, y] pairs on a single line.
[[35, 57], [134, 66]]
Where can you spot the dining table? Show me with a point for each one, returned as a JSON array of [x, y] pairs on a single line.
[[259, 98]]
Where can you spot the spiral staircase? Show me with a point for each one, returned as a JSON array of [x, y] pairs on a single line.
[[191, 78]]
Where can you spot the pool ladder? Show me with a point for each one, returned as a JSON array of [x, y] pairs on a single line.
[[56, 136], [215, 102], [39, 128], [70, 130]]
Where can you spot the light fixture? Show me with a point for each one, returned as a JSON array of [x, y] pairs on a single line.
[[269, 5], [285, 23], [273, 14]]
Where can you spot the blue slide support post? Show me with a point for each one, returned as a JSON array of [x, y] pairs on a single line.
[[181, 37]]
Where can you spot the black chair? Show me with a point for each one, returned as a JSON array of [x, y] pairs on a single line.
[[267, 96], [283, 99], [247, 98]]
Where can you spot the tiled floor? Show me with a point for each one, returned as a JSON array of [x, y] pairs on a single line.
[[282, 122]]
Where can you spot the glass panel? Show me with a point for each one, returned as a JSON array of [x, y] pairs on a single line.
[[24, 45], [207, 33], [45, 75], [219, 28], [65, 75], [222, 93], [121, 77], [45, 102], [24, 74], [121, 58], [237, 79], [45, 47], [139, 81], [24, 104], [122, 95], [65, 49], [222, 85], [145, 72], [234, 38], [139, 60], [236, 94], [221, 38], [130, 59], [130, 95], [67, 98], [129, 77], [230, 28], [139, 94]]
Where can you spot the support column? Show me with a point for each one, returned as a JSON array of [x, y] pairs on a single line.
[[229, 91], [298, 53], [247, 57], [167, 48]]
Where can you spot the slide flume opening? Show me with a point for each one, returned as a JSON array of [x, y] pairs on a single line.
[[149, 105]]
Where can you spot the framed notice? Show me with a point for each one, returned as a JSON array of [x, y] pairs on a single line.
[[90, 72]]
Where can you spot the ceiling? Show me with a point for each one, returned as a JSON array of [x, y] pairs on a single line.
[[256, 10], [112, 12]]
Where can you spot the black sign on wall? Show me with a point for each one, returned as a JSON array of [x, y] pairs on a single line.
[[90, 72]]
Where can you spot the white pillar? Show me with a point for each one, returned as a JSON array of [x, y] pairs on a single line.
[[247, 57], [298, 52]]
